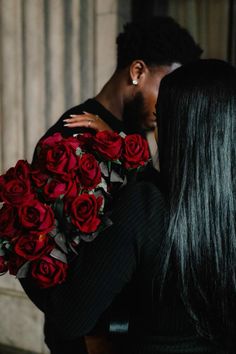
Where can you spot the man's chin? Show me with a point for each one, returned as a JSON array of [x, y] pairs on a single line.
[[136, 117]]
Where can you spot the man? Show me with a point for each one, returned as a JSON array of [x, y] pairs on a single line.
[[147, 51]]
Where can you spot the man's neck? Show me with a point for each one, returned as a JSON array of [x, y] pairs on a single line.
[[111, 96]]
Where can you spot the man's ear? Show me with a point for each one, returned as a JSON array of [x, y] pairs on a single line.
[[136, 70]]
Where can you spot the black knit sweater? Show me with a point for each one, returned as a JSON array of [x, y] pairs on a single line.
[[123, 257]]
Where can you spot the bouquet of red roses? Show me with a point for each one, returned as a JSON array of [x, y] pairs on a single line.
[[63, 197]]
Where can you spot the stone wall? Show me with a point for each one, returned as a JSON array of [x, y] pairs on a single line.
[[53, 55]]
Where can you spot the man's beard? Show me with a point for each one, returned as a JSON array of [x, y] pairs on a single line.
[[133, 115]]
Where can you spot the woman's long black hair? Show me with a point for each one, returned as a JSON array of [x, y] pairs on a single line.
[[196, 114]]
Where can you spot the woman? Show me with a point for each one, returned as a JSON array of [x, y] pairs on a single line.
[[196, 118], [176, 245]]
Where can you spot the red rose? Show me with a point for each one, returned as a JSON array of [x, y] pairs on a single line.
[[15, 184], [71, 194], [7, 221], [56, 188], [89, 172], [61, 158], [50, 140], [39, 178], [72, 142], [41, 150], [108, 144], [48, 271], [73, 189], [16, 191], [33, 246], [136, 152], [36, 216], [84, 212], [22, 170], [85, 140], [3, 265]]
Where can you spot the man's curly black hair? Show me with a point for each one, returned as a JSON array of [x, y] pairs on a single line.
[[157, 41]]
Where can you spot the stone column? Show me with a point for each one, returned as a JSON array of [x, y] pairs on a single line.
[[53, 54], [207, 22], [11, 74], [33, 64], [110, 17], [21, 122]]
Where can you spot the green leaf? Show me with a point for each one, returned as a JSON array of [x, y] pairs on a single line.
[[78, 151]]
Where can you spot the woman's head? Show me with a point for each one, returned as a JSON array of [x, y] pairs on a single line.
[[196, 112], [196, 115]]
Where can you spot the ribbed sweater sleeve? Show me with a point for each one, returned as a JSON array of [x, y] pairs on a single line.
[[103, 267]]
